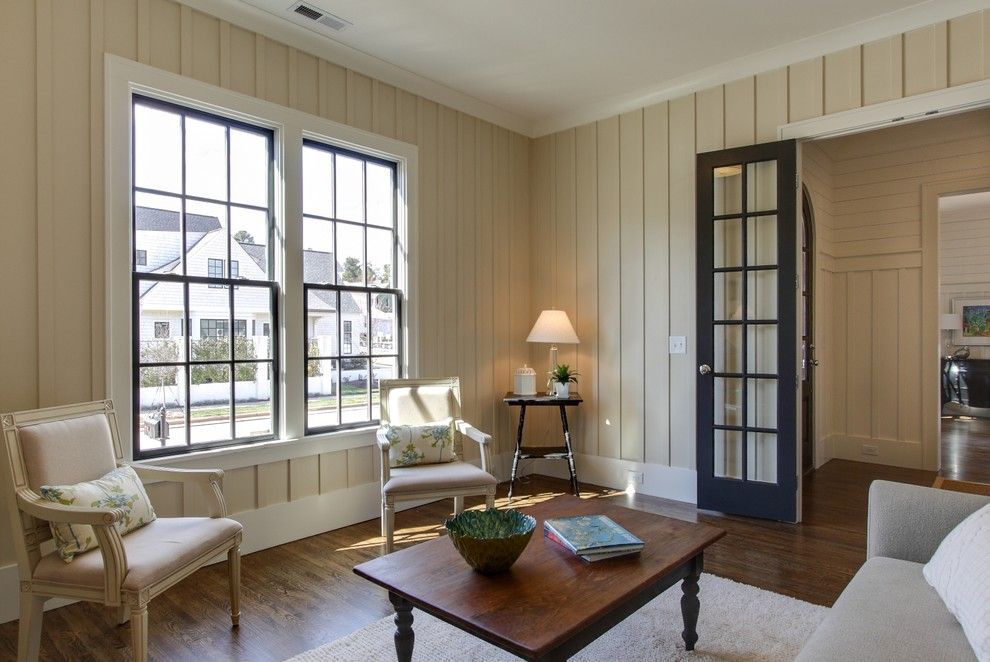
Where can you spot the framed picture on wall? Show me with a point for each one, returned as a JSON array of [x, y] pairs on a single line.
[[975, 315]]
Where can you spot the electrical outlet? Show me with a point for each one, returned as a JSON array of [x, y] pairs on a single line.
[[677, 345], [870, 449], [634, 477]]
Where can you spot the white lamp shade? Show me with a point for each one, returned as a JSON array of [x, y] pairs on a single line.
[[950, 322], [553, 327]]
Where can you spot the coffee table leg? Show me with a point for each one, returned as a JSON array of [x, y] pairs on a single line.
[[690, 605], [404, 635]]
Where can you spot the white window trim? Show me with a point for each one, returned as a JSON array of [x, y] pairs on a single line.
[[124, 78]]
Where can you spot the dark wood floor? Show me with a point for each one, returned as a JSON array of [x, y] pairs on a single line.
[[303, 594], [966, 449]]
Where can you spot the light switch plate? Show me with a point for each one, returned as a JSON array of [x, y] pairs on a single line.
[[677, 344]]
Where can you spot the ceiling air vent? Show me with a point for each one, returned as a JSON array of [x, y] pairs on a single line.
[[326, 19]]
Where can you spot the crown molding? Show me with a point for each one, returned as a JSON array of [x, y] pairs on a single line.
[[879, 27], [258, 20]]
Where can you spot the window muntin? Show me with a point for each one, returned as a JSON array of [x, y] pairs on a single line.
[[352, 305], [202, 194]]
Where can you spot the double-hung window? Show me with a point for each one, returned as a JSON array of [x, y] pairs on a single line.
[[202, 199], [352, 305]]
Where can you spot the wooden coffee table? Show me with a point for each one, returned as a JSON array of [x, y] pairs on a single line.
[[550, 604]]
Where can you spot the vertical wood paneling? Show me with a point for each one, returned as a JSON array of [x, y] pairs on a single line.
[[840, 354], [304, 477], [859, 350], [586, 313], [361, 465], [44, 121], [883, 70], [843, 80], [542, 269], [740, 112], [97, 34], [273, 483], [204, 32], [631, 258], [143, 8], [565, 246], [276, 72], [383, 109], [185, 40], [165, 22], [166, 498], [467, 182], [925, 55], [121, 36], [359, 100], [429, 233], [333, 471], [682, 279], [519, 263], [909, 382], [449, 339], [504, 361], [333, 92], [771, 104], [484, 356], [805, 89], [307, 83], [240, 489], [710, 119], [886, 353], [656, 279], [242, 60], [609, 290], [966, 49]]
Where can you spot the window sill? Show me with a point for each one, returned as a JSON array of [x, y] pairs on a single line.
[[275, 450]]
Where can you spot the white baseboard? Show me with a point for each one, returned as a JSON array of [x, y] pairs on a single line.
[[894, 452], [263, 528]]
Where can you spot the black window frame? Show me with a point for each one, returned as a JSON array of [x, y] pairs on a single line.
[[185, 280], [370, 292]]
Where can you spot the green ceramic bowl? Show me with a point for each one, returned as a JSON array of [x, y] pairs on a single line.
[[490, 540]]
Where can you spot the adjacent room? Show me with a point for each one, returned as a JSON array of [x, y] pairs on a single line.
[[341, 330]]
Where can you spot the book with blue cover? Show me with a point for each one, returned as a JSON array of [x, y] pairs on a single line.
[[591, 535]]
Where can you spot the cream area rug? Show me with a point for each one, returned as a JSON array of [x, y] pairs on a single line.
[[737, 623]]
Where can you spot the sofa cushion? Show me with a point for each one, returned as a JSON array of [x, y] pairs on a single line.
[[435, 477], [960, 574], [888, 612]]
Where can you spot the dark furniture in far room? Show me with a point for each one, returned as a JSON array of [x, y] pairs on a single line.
[[966, 382]]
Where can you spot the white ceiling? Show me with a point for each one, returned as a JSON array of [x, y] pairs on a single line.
[[556, 63]]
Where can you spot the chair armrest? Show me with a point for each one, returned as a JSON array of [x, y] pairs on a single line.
[[383, 445], [483, 439], [908, 522], [103, 521], [210, 481]]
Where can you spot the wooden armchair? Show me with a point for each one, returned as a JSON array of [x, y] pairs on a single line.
[[419, 401], [75, 443]]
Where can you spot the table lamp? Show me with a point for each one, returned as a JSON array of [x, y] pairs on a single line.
[[949, 322], [553, 327]]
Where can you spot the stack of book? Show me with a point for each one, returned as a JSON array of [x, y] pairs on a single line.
[[592, 537]]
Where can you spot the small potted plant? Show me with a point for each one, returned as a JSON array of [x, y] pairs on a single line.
[[561, 378]]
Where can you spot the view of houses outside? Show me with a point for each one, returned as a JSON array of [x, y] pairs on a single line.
[[185, 329]]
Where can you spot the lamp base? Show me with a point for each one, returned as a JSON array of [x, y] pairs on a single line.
[[553, 364]]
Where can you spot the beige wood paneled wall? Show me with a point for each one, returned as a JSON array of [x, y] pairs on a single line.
[[473, 251], [873, 270], [630, 179]]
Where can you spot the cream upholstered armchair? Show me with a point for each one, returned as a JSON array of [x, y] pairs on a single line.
[[419, 401], [76, 443]]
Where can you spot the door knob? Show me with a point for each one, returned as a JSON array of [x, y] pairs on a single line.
[[814, 362], [704, 369]]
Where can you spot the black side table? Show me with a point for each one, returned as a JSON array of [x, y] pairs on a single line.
[[564, 452]]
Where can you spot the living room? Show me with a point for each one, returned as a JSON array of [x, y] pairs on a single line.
[[158, 151]]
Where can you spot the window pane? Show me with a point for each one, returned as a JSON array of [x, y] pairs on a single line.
[[728, 243], [728, 401], [206, 159], [761, 403], [381, 368], [318, 264], [162, 387], [209, 309], [384, 324], [209, 402], [354, 323], [728, 453], [354, 390], [249, 168], [727, 189], [350, 254], [761, 186], [761, 242], [381, 249], [728, 348], [728, 295], [253, 400], [322, 394], [252, 309], [381, 195], [317, 182], [762, 461], [161, 318], [762, 350], [157, 232], [321, 323], [157, 149], [206, 235], [350, 188], [761, 302], [249, 230]]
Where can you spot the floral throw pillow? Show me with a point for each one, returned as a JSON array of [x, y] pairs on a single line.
[[430, 443], [121, 488]]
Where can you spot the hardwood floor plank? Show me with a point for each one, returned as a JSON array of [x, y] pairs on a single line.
[[303, 594]]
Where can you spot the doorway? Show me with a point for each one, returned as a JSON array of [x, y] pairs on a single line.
[[808, 360]]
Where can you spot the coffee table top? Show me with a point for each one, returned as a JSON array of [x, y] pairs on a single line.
[[549, 595]]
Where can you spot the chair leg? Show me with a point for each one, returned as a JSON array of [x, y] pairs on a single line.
[[123, 614], [234, 572], [388, 522], [490, 498], [29, 627], [139, 633], [458, 505]]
